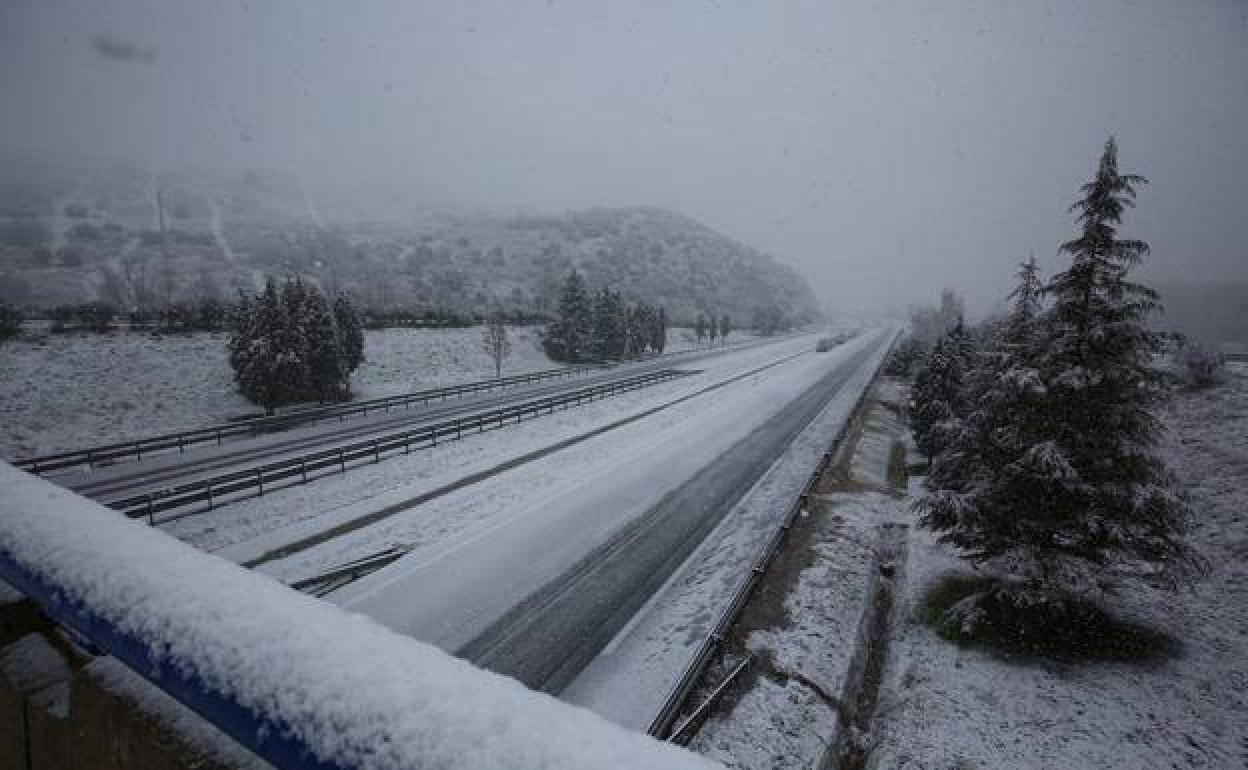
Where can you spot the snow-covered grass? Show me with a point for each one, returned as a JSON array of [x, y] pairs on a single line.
[[803, 623], [66, 391], [947, 706], [352, 691], [402, 360]]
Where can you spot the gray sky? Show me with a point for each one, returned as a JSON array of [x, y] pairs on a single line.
[[883, 148]]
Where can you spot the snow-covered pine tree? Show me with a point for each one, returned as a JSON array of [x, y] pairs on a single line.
[[1056, 476], [604, 331], [725, 328], [240, 319], [659, 339], [327, 373], [273, 368], [712, 328], [617, 343], [636, 318], [350, 334], [1027, 296], [939, 398], [699, 328], [568, 336]]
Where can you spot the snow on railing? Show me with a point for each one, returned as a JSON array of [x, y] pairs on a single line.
[[300, 682]]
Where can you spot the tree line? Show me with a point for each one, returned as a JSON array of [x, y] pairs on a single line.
[[713, 328], [1041, 427], [600, 326], [289, 345]]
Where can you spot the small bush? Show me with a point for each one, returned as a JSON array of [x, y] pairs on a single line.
[[976, 610], [1201, 366]]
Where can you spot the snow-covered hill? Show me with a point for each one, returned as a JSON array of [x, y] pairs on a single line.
[[75, 235]]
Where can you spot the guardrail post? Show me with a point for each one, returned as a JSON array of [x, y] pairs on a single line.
[[138, 451], [260, 480], [303, 470], [151, 514], [376, 451], [218, 437], [210, 497], [90, 462], [180, 447], [342, 464]]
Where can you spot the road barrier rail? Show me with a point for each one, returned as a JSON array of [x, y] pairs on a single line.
[[258, 425], [211, 490], [663, 726]]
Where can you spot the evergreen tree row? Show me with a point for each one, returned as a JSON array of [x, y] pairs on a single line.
[[1043, 438], [600, 326], [288, 345]]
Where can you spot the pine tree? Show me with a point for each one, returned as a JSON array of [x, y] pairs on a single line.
[[327, 372], [1054, 475], [273, 367], [658, 338], [605, 326], [569, 336], [712, 329], [350, 333], [939, 398], [699, 328], [1027, 296], [725, 328]]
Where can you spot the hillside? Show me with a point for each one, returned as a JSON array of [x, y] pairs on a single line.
[[68, 238]]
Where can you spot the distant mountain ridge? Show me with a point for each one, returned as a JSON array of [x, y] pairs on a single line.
[[67, 239]]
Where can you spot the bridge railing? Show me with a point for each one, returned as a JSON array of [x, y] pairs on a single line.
[[298, 681]]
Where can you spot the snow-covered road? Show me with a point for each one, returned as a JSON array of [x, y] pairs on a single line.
[[524, 528]]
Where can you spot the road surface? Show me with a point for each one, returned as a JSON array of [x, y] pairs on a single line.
[[538, 592]]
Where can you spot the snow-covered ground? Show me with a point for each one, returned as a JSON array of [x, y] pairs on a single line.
[[65, 391], [803, 624], [945, 706]]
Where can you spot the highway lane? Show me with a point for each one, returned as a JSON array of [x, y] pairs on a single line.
[[170, 469], [547, 640], [537, 593]]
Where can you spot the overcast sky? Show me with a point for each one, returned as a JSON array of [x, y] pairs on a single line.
[[883, 148]]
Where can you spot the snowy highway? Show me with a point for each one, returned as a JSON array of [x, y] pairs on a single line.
[[565, 549]]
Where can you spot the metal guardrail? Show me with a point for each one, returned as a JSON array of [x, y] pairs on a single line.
[[661, 726], [211, 489], [217, 433], [254, 426], [333, 579]]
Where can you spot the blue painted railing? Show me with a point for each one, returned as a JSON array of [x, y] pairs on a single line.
[[269, 740]]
